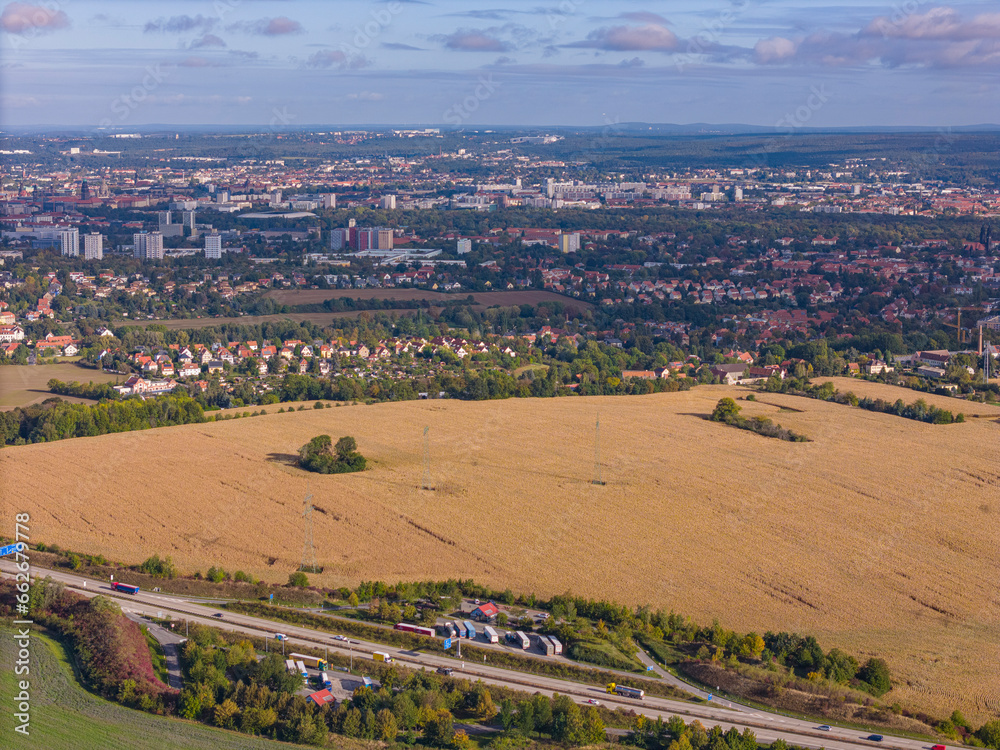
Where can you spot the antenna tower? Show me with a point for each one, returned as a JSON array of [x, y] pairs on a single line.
[[308, 549], [597, 453]]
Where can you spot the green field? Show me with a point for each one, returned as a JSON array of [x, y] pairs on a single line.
[[21, 385], [64, 715]]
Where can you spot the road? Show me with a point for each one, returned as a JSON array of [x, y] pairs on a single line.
[[170, 642], [768, 727]]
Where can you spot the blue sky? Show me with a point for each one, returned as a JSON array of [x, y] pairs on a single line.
[[272, 64]]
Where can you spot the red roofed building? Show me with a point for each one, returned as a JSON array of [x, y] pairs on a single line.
[[322, 697], [485, 612]]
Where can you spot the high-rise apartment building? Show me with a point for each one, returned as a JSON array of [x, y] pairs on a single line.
[[69, 242], [464, 246], [213, 246], [148, 246], [93, 246], [388, 202], [569, 243]]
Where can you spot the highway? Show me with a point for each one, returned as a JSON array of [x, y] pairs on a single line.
[[767, 726]]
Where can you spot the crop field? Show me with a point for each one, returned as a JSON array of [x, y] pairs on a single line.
[[22, 385], [890, 393], [65, 715], [879, 536], [483, 299]]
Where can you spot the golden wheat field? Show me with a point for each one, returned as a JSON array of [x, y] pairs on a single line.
[[880, 536]]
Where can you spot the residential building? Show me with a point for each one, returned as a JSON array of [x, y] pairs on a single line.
[[69, 242], [387, 202], [213, 246], [569, 243], [148, 246], [93, 246], [464, 246]]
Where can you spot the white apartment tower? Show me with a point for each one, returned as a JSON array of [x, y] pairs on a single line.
[[213, 246], [464, 246], [148, 246], [329, 200], [93, 246], [69, 242], [388, 202]]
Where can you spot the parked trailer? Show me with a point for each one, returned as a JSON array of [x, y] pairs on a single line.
[[545, 646], [460, 628], [448, 630], [627, 692], [407, 628], [382, 656], [290, 666], [302, 670], [311, 661], [490, 635], [470, 630], [125, 588], [556, 644], [522, 640], [325, 681]]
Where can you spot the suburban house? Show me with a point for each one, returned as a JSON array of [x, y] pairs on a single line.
[[877, 367], [728, 374]]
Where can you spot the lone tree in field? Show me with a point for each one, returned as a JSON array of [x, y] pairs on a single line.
[[727, 411], [322, 456]]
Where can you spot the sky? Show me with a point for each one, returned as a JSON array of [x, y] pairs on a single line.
[[280, 64]]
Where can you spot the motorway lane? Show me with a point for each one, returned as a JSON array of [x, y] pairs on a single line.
[[767, 726]]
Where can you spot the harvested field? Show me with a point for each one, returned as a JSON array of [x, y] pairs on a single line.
[[879, 537], [862, 388], [22, 385], [483, 299]]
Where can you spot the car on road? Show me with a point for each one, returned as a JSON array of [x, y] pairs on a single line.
[[217, 614], [939, 747], [824, 727], [593, 702], [445, 671], [340, 637], [874, 737]]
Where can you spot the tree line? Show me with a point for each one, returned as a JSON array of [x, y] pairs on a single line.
[[55, 419]]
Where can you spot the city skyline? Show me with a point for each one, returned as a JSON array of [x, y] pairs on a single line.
[[279, 65]]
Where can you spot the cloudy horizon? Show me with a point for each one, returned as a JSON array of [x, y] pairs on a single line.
[[248, 63]]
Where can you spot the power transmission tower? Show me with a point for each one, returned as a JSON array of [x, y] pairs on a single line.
[[597, 453], [427, 461], [309, 564]]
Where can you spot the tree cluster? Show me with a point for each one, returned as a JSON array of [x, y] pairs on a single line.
[[322, 456]]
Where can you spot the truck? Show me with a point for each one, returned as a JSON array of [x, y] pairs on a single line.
[[556, 645], [419, 630], [125, 588], [627, 692], [490, 635], [522, 640], [290, 666], [302, 670], [325, 681], [448, 630], [311, 661], [470, 630], [545, 646], [460, 628], [382, 656]]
